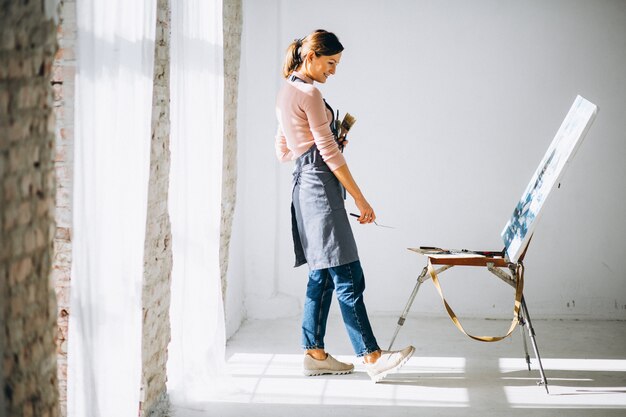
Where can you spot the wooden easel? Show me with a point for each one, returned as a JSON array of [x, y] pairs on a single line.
[[496, 263], [516, 234]]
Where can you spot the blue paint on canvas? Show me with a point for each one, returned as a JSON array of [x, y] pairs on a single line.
[[519, 228]]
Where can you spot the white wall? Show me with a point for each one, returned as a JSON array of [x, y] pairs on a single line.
[[456, 104]]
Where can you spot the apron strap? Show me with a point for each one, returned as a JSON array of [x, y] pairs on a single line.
[[519, 288]]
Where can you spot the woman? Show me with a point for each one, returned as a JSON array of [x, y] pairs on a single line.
[[321, 229]]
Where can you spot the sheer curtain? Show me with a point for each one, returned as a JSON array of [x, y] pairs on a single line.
[[196, 353], [112, 150]]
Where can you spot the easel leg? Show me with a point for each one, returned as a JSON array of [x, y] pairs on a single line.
[[531, 333], [522, 323], [402, 318]]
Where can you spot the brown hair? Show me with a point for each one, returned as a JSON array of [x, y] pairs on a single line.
[[322, 42]]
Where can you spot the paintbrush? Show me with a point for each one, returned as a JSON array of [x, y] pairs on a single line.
[[346, 125], [379, 225]]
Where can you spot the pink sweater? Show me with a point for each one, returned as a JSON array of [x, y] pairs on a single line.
[[303, 119]]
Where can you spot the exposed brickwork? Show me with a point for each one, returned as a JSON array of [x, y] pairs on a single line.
[[232, 21], [63, 74], [158, 249], [27, 180], [34, 169]]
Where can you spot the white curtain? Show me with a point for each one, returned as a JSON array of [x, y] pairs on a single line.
[[196, 353], [112, 155]]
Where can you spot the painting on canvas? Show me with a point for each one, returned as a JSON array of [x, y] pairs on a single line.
[[519, 228]]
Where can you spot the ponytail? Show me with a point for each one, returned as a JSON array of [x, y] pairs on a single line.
[[293, 59]]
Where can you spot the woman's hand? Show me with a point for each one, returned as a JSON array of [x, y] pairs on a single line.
[[367, 212], [343, 142], [345, 178]]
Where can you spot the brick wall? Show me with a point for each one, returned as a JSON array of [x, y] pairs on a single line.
[[34, 168], [158, 250], [63, 74], [28, 307], [232, 21]]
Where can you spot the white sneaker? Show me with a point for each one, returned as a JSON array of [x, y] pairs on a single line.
[[328, 366], [389, 362]]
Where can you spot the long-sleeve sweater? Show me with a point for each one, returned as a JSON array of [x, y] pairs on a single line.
[[303, 120]]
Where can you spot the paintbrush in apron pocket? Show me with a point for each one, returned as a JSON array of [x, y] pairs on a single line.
[[340, 129], [344, 126]]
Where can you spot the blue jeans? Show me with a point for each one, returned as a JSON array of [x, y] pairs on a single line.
[[349, 282]]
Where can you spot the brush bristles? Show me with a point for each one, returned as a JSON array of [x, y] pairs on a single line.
[[348, 122]]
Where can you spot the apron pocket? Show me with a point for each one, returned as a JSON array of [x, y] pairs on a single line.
[[334, 193], [312, 194]]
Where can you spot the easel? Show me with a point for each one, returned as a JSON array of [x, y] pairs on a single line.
[[516, 234], [495, 262]]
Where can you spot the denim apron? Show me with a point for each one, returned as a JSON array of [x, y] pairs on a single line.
[[322, 236]]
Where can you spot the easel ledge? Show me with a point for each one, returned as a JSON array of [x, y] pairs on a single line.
[[462, 258]]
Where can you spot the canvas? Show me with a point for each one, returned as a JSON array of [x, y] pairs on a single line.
[[519, 228]]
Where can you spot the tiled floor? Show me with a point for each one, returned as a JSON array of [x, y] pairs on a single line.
[[449, 375]]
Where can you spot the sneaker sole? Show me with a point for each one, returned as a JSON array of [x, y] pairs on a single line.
[[379, 377], [317, 372]]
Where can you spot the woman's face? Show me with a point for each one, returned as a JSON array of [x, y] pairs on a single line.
[[319, 68]]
